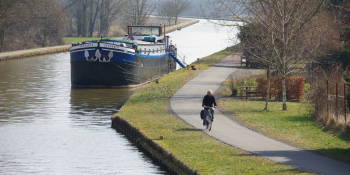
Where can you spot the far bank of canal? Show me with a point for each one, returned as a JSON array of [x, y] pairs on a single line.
[[65, 48]]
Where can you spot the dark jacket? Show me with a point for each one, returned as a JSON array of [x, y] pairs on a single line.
[[209, 100]]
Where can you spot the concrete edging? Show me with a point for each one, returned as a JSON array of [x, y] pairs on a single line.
[[146, 144]]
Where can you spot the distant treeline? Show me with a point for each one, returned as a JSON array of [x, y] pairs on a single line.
[[89, 18], [30, 23]]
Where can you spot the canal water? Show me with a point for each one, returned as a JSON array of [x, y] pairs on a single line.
[[46, 127]]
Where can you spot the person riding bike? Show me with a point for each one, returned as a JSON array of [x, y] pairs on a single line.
[[208, 101]]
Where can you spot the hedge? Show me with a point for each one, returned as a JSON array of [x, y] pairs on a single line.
[[294, 86]]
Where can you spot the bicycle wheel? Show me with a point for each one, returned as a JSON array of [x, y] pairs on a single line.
[[209, 122]]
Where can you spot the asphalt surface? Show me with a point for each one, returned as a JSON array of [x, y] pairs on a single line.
[[187, 101]]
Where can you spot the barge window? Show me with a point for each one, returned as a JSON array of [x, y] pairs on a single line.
[[144, 31]]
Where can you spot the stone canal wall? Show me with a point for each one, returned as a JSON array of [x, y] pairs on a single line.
[[65, 48], [158, 153]]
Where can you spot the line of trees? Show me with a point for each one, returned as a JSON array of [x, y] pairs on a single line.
[[84, 15], [87, 16], [280, 34], [171, 9], [30, 23]]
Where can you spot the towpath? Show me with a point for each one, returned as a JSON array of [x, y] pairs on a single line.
[[187, 101]]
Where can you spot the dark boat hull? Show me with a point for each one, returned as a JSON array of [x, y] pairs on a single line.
[[120, 68]]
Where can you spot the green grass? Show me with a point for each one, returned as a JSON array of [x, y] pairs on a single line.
[[69, 40], [294, 126], [148, 110], [307, 87], [211, 60]]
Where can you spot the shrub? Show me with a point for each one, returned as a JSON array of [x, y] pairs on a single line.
[[294, 85]]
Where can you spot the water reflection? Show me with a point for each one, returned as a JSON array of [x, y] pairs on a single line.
[[48, 128], [91, 104]]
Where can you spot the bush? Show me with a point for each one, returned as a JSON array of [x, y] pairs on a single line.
[[295, 87]]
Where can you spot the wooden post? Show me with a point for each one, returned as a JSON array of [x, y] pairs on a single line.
[[246, 94], [345, 103], [336, 100], [327, 102]]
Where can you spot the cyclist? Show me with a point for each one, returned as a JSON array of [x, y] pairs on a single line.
[[208, 101]]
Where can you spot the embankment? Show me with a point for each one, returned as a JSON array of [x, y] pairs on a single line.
[[65, 48], [181, 25], [158, 153], [33, 52], [147, 119]]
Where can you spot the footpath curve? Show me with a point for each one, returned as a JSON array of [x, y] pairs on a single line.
[[186, 103]]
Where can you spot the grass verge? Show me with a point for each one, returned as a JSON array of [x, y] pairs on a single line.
[[33, 52], [148, 110], [69, 40], [294, 126]]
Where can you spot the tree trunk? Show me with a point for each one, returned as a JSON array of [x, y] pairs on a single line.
[[83, 24], [2, 38], [79, 21], [268, 90], [93, 19], [284, 92]]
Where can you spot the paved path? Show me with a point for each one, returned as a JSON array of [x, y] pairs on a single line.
[[187, 101]]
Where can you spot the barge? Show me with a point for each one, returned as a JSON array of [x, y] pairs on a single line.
[[143, 55]]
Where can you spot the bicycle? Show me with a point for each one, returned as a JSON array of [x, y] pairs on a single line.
[[208, 118]]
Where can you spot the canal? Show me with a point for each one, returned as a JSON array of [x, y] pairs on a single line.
[[46, 127]]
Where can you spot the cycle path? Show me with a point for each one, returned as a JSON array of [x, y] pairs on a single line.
[[187, 101]]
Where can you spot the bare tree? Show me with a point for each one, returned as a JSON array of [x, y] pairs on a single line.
[[95, 7], [110, 9], [137, 12], [285, 23], [7, 18], [179, 6], [81, 10], [39, 23], [258, 51], [166, 11], [170, 9]]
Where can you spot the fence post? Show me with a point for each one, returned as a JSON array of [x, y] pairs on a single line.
[[327, 102], [246, 95], [345, 103], [336, 100]]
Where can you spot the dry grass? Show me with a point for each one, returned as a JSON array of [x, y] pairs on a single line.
[[329, 111]]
